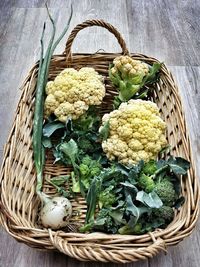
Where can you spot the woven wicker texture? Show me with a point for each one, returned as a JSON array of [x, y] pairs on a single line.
[[20, 205]]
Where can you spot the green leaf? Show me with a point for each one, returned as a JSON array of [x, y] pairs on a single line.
[[70, 149], [92, 198], [152, 200], [60, 180], [104, 133], [51, 127], [130, 185], [179, 165], [46, 141], [152, 76], [132, 209], [117, 216]]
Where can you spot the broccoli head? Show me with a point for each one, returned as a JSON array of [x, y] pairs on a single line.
[[84, 169], [107, 198], [88, 169], [127, 230], [85, 145], [165, 212], [146, 183], [165, 190], [150, 167], [86, 160]]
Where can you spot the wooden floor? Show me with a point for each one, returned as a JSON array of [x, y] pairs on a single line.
[[166, 29]]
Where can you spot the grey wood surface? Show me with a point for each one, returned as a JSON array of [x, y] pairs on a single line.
[[168, 30]]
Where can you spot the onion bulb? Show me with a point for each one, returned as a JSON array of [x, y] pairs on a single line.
[[56, 212]]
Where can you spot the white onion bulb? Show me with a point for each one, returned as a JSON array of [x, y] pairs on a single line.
[[56, 213]]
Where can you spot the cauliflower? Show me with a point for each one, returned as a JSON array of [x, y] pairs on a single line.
[[72, 92], [130, 75], [136, 132]]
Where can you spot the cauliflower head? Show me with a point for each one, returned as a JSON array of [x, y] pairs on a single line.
[[72, 92], [136, 132], [130, 75]]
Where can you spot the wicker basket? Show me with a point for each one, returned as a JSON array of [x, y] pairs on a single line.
[[19, 203]]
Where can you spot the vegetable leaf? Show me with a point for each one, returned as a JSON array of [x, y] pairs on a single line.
[[70, 149], [51, 127], [92, 198], [179, 165], [60, 180], [46, 141], [104, 133], [152, 200], [132, 209], [151, 77]]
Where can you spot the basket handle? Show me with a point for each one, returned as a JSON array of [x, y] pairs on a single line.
[[90, 23]]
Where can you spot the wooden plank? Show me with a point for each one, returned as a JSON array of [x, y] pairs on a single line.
[[165, 30]]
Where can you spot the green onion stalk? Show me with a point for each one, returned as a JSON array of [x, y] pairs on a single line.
[[38, 149]]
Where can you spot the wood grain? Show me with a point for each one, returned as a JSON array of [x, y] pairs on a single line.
[[168, 30]]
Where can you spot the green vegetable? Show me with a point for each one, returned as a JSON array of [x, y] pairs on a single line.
[[165, 190], [85, 145], [150, 167], [123, 206], [107, 198], [146, 183], [165, 212], [130, 76], [152, 200], [127, 229], [38, 149], [51, 127], [104, 130]]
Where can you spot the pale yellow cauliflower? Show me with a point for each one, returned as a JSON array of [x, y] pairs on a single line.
[[129, 67], [136, 132], [72, 92]]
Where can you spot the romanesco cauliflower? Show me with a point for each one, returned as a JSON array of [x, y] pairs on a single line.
[[72, 92], [136, 132]]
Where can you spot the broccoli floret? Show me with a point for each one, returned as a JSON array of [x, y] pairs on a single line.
[[88, 169], [127, 230], [165, 190], [150, 167], [104, 222], [165, 212], [146, 183], [86, 160], [106, 198], [85, 145], [84, 169], [95, 171]]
